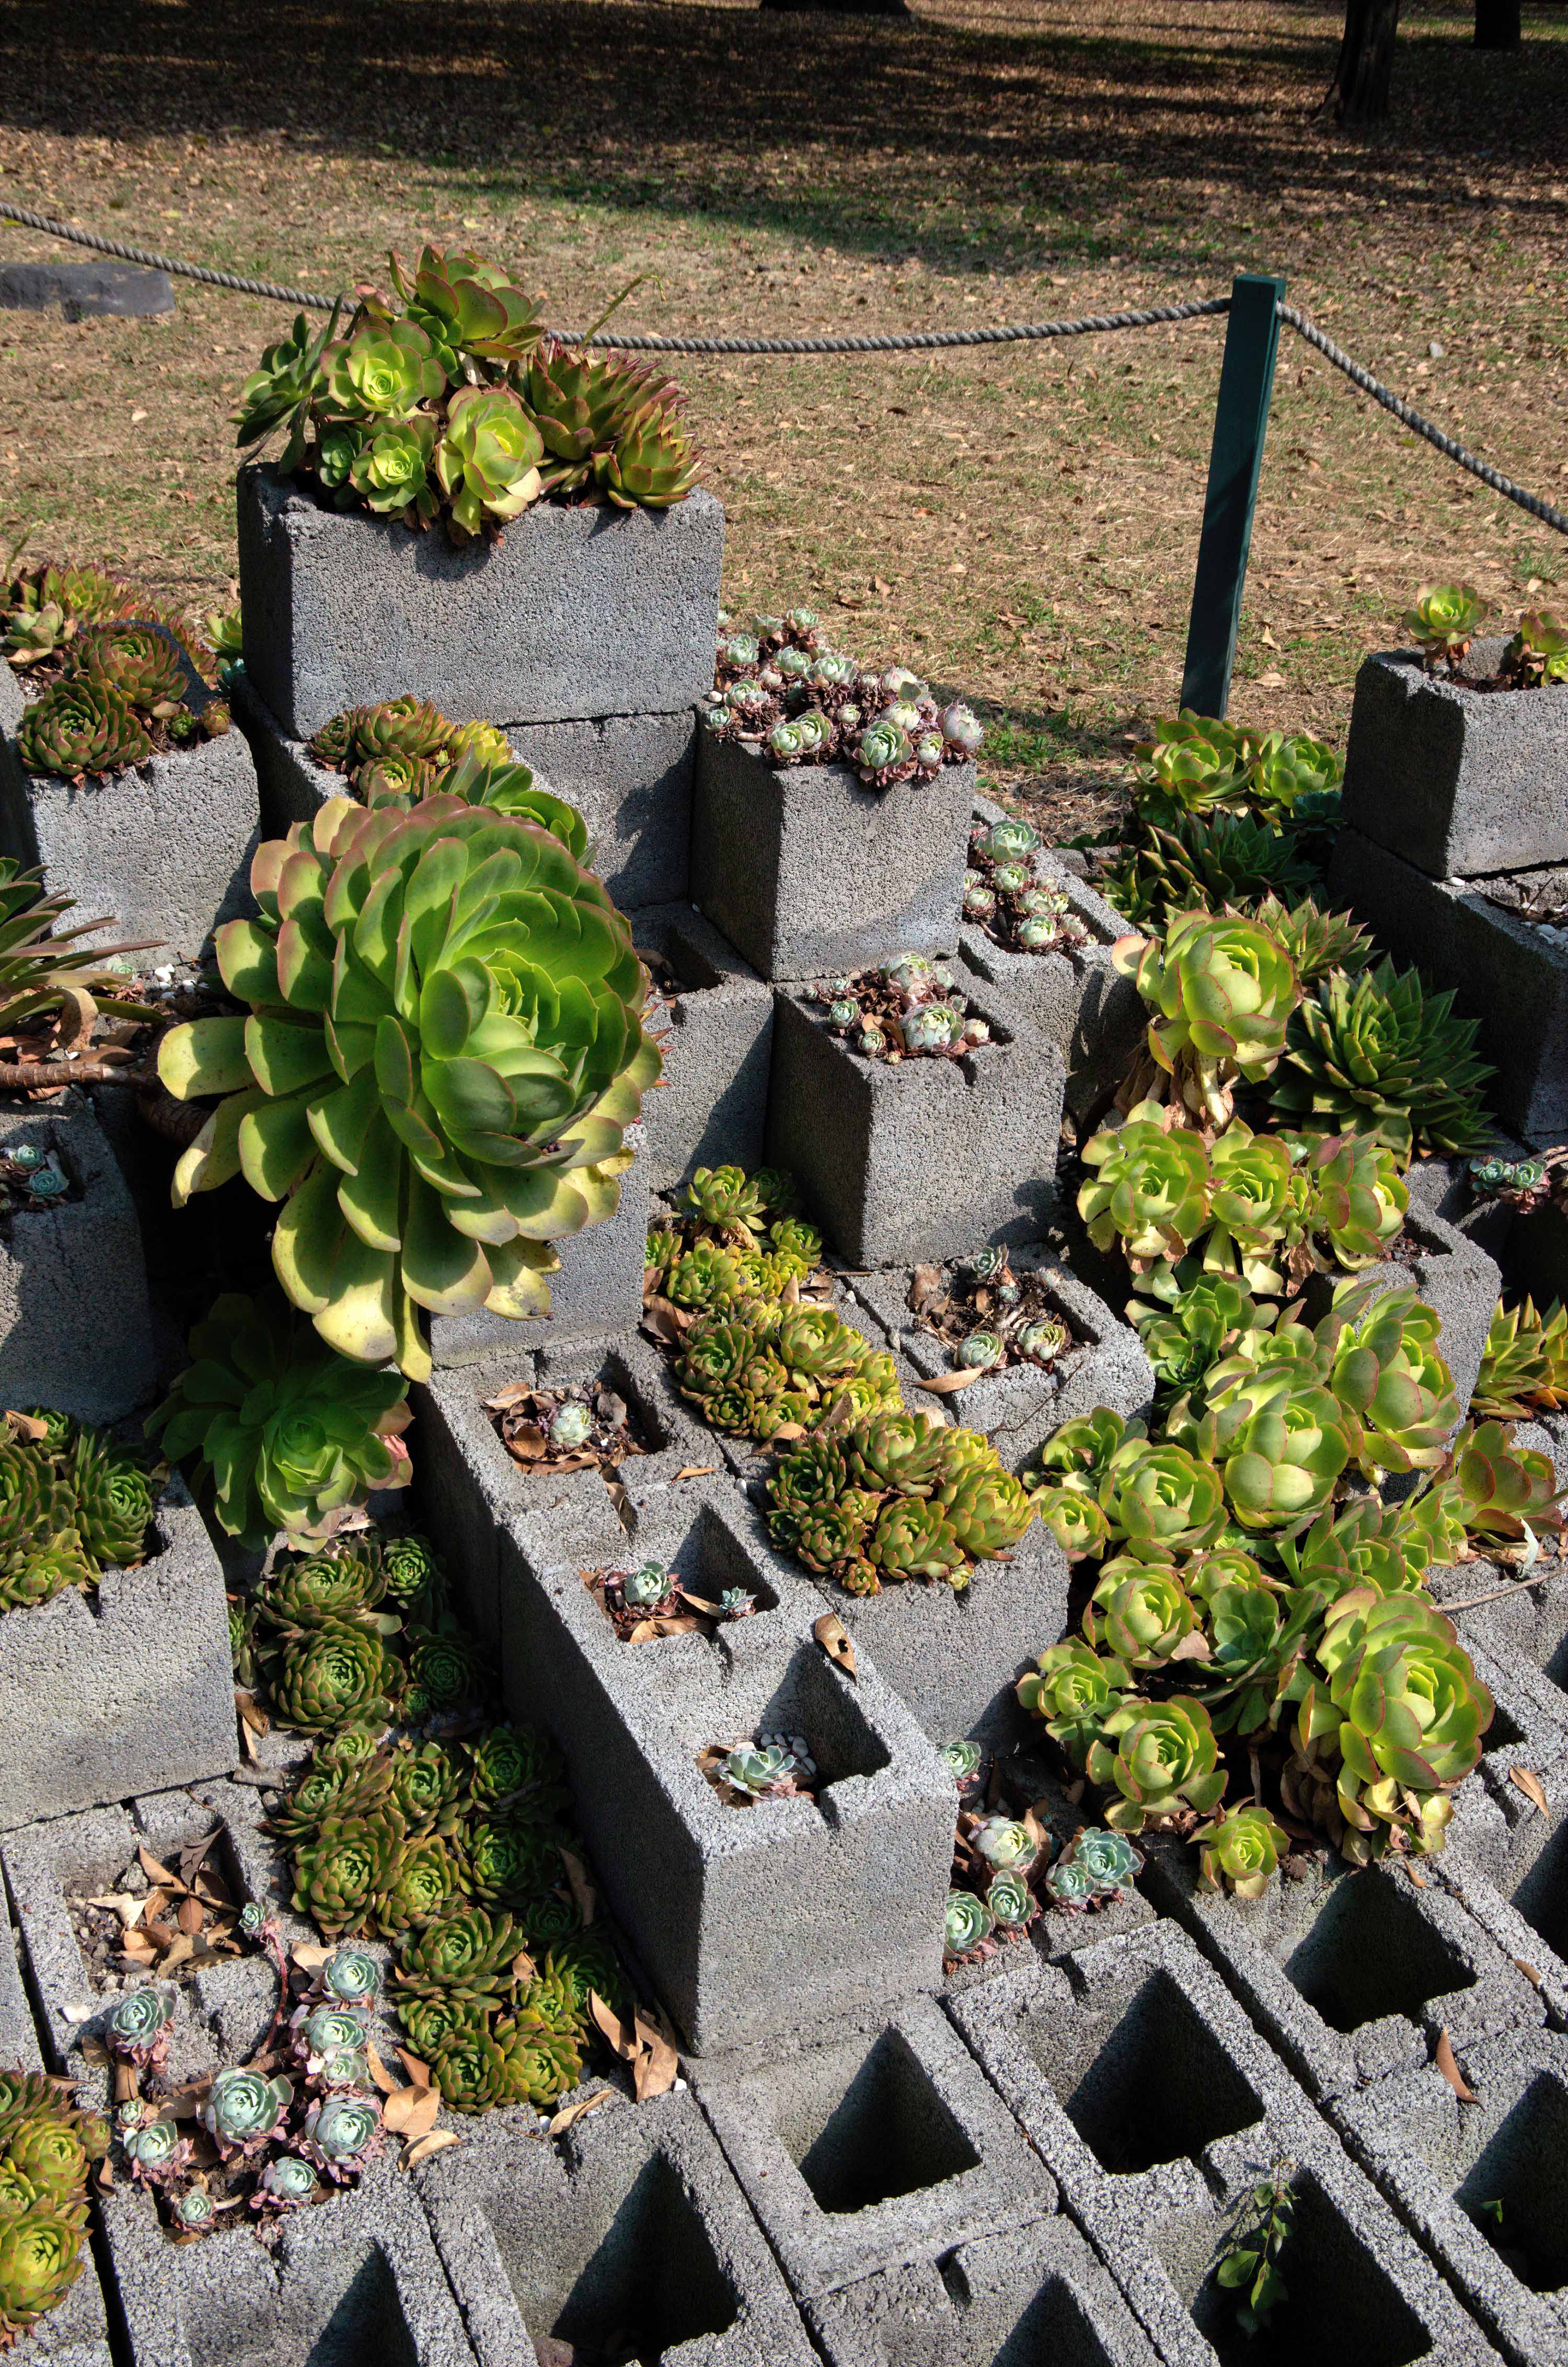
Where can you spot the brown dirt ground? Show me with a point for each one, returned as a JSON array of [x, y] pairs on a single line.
[[1019, 523]]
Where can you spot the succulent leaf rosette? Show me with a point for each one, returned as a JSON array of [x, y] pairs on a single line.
[[444, 1046], [1240, 1850], [1160, 1759], [1073, 1691], [1222, 990], [1524, 1367], [1442, 621], [1150, 1187], [1377, 1055]]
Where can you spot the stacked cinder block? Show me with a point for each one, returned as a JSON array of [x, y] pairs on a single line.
[[1158, 2110], [1456, 809]]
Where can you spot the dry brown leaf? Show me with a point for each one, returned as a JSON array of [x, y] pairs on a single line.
[[620, 2035], [831, 1634], [582, 1889], [417, 2070], [310, 1957], [1416, 1876], [436, 2142], [156, 1873], [192, 1915], [180, 1947], [654, 2071], [696, 1471], [578, 2108], [946, 1383], [1443, 2056], [411, 2112], [700, 1603], [790, 1431], [1531, 1784], [513, 1394], [1195, 1647], [127, 2082], [27, 1425], [255, 1719], [1039, 1834], [129, 1909], [378, 2072], [1528, 1971]]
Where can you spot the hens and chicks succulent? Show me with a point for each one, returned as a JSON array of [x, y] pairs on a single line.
[[1443, 620], [781, 692], [75, 1502], [908, 1009], [451, 400], [1006, 896], [47, 2152]]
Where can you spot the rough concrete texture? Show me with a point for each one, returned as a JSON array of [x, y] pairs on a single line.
[[1157, 2109], [1453, 778], [85, 290], [1483, 2183], [126, 1693], [749, 1919], [1500, 968], [632, 2233], [1030, 2294], [1019, 1406], [356, 2279], [74, 2334], [874, 2145], [1450, 1274], [594, 1295], [75, 1330], [575, 612], [807, 873], [1349, 1974], [629, 776], [716, 1034], [483, 1507], [921, 1158], [1441, 1187], [1096, 1016], [163, 849]]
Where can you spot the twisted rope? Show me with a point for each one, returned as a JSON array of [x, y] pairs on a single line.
[[143, 256]]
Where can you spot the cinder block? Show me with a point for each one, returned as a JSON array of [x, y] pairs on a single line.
[[632, 2232], [1019, 1406], [128, 1693], [1482, 2183], [73, 1276], [1096, 1016], [807, 873], [85, 290], [1156, 2108], [164, 849], [575, 612], [629, 776], [482, 1505], [1349, 1974], [716, 1035], [594, 1295], [1452, 777], [1500, 968], [1034, 2292], [750, 1920], [922, 1157], [878, 2144]]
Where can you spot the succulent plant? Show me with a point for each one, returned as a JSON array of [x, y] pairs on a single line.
[[80, 726], [1160, 1759], [244, 2110], [434, 1118], [351, 1976], [540, 2063], [382, 370], [338, 1673], [1503, 1489], [467, 307], [195, 2212], [653, 463], [341, 2134], [1208, 862], [283, 386], [1442, 621], [1072, 1691], [1223, 992], [139, 661], [1069, 1885], [284, 2183], [967, 1921], [766, 1769], [1537, 654], [340, 1875], [1010, 1901], [1138, 1612], [156, 2151], [283, 1433], [1388, 1371], [113, 1494], [486, 462], [1159, 1499], [1240, 1850], [391, 469], [41, 2258], [1524, 1368], [466, 1955], [1377, 1054], [1193, 764], [1316, 942], [1108, 1859], [580, 401], [1006, 1843], [1150, 1186]]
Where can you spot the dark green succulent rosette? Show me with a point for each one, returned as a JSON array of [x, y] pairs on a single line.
[[445, 1044], [342, 1873], [541, 2063], [82, 726], [423, 1882], [339, 1673], [324, 1586], [466, 1955]]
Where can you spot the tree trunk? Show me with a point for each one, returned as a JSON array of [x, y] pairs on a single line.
[[1497, 23], [1364, 71]]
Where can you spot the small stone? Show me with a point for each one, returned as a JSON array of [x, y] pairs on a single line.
[[1434, 352]]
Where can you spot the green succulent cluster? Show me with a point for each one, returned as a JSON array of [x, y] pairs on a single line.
[[1222, 990], [452, 1851], [121, 690], [72, 1503], [350, 1637], [46, 609], [459, 406], [45, 968], [1200, 765], [782, 692], [733, 1239], [896, 1496], [47, 2150], [280, 1434], [1524, 1366], [440, 1047], [1020, 905], [1442, 621], [1380, 1055], [756, 1367], [1537, 657]]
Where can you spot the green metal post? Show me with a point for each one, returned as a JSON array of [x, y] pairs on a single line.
[[1241, 418]]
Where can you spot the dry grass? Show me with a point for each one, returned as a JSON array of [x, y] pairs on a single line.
[[1020, 523]]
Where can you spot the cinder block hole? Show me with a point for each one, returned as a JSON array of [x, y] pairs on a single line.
[[815, 1701], [651, 2283], [1050, 2329], [1516, 2191], [364, 2325], [1157, 2086], [707, 1557], [1341, 2302], [863, 2124], [1503, 1733], [1371, 1952], [1542, 1896]]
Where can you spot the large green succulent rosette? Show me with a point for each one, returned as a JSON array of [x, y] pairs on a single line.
[[443, 1048]]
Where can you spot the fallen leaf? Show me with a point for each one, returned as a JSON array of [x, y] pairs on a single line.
[[696, 1471], [378, 2072], [419, 2071], [620, 2035], [946, 1383], [310, 1957], [192, 1915], [513, 1394], [786, 1431], [27, 1425], [1530, 1783], [156, 1873], [181, 1945], [831, 1634], [1272, 680], [580, 1887], [436, 2142], [1443, 2056], [1528, 1971], [129, 1909], [575, 2110], [1036, 1832], [654, 2071], [1416, 1876], [1195, 1647], [411, 2112]]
